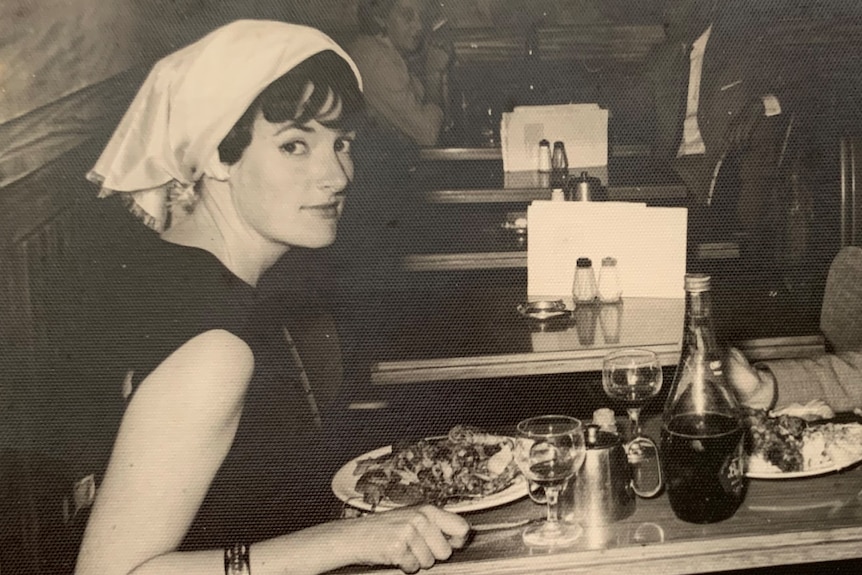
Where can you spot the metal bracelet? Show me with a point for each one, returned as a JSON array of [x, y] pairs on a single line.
[[236, 560]]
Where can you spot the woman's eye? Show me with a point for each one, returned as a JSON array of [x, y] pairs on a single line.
[[295, 147], [343, 144]]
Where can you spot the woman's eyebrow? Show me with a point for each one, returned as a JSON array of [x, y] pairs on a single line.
[[290, 125]]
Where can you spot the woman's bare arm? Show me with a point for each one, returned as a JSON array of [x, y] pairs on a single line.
[[175, 434]]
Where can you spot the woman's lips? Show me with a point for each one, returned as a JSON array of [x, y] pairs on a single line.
[[325, 211]]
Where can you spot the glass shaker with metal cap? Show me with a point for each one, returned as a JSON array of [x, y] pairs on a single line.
[[584, 285], [559, 165], [544, 156], [610, 290]]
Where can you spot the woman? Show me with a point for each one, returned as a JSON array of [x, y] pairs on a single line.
[[403, 103], [248, 131]]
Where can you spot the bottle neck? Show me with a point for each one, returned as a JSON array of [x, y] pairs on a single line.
[[699, 333], [699, 384]]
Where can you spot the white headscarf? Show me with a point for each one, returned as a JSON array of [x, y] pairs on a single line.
[[191, 99]]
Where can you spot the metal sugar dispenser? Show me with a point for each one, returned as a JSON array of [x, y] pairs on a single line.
[[703, 430], [607, 487]]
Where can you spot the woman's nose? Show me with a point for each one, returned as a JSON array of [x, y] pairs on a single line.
[[337, 173]]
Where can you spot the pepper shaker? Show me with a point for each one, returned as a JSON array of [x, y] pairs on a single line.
[[584, 284], [559, 165], [609, 289], [544, 156]]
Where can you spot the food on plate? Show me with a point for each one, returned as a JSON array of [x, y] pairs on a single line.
[[786, 443], [466, 464]]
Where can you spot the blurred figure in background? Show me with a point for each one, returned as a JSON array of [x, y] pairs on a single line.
[[409, 102], [405, 111], [726, 115]]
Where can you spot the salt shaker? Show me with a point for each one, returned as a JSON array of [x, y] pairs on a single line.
[[559, 165], [584, 285], [544, 156], [609, 289]]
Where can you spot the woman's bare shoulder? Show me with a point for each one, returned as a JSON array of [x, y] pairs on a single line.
[[213, 364]]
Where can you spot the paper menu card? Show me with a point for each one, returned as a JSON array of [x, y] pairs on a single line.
[[583, 128], [649, 245]]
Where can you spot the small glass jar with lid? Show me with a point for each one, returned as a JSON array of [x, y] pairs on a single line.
[[609, 290], [584, 285]]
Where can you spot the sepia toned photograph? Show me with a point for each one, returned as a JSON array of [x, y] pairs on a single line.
[[461, 287]]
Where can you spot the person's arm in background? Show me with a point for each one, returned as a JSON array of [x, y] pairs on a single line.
[[833, 378], [771, 80], [437, 61], [388, 93]]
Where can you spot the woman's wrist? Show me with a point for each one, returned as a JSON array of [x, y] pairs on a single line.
[[317, 549]]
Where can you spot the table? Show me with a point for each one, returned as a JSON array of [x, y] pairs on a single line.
[[780, 523], [472, 330], [531, 186], [488, 338], [466, 197]]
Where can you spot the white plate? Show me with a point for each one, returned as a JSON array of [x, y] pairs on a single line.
[[344, 487], [800, 474]]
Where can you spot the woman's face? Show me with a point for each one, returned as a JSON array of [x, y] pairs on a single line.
[[403, 25], [288, 185]]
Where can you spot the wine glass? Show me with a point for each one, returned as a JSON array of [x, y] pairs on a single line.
[[549, 450], [632, 376]]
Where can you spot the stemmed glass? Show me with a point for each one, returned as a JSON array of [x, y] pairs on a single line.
[[549, 450], [632, 376]]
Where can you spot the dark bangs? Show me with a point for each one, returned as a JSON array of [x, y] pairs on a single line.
[[332, 83]]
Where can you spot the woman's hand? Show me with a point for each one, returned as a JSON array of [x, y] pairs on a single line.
[[755, 387], [412, 538]]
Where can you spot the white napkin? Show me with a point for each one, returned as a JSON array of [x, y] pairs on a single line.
[[583, 128], [648, 243]]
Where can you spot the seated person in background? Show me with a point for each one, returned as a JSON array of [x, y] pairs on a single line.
[[835, 378], [236, 149], [411, 106], [722, 100]]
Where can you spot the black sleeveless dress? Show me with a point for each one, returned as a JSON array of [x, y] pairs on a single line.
[[152, 299]]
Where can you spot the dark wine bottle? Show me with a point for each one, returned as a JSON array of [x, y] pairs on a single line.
[[703, 429]]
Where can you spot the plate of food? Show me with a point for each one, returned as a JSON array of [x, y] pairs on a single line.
[[788, 446], [467, 470]]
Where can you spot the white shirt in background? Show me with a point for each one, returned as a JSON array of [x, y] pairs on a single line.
[[692, 141]]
